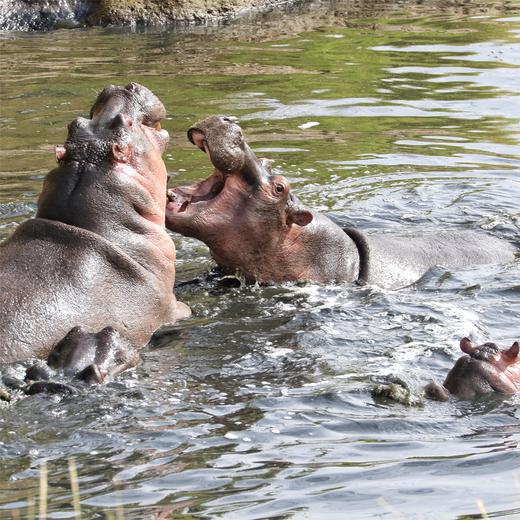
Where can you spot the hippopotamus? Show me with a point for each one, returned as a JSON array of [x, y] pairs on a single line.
[[483, 369], [254, 224], [91, 277]]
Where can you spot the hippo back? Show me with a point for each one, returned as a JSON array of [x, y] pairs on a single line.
[[54, 276]]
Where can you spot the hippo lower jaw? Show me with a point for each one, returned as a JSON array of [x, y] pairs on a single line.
[[180, 198]]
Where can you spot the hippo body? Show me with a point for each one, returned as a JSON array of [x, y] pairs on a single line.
[[254, 224], [97, 254], [394, 261], [483, 369], [72, 276]]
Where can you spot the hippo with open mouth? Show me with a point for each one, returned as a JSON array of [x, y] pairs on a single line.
[[483, 369], [91, 277], [253, 224]]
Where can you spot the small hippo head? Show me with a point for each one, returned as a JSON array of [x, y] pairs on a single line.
[[484, 368], [241, 209], [110, 168]]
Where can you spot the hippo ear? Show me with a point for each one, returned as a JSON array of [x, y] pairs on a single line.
[[59, 152], [299, 216], [466, 346], [121, 153], [512, 352]]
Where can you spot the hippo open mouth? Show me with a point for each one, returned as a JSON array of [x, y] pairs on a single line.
[[221, 139], [181, 197]]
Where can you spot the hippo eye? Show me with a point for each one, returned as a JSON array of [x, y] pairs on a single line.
[[279, 188]]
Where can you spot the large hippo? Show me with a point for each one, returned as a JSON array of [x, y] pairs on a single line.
[[483, 369], [254, 224], [96, 262]]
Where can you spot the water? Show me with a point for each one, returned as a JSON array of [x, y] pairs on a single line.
[[260, 406]]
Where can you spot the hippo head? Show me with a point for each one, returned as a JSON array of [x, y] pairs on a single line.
[[241, 207], [111, 159], [484, 368], [124, 126]]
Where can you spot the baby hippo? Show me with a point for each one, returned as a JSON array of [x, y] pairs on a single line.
[[484, 368]]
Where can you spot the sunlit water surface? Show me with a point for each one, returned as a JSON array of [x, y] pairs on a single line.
[[260, 406]]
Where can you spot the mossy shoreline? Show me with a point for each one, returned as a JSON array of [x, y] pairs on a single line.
[[38, 15]]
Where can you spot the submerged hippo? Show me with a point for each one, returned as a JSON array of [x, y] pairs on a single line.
[[484, 368], [96, 259], [254, 224]]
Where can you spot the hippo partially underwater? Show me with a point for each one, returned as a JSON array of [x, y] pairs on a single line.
[[92, 275], [483, 369], [253, 224]]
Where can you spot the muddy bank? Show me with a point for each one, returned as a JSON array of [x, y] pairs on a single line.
[[37, 15]]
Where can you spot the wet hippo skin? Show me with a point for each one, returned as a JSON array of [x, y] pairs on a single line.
[[97, 254], [91, 357], [253, 224], [483, 369]]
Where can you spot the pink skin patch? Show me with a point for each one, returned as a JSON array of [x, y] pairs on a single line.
[[59, 152]]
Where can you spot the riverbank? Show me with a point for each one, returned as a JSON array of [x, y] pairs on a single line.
[[301, 15], [40, 15]]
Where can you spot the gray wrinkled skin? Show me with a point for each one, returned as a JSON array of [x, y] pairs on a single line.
[[93, 356], [484, 369], [253, 223], [97, 254]]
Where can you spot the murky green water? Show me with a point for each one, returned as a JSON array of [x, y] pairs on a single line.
[[260, 405]]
